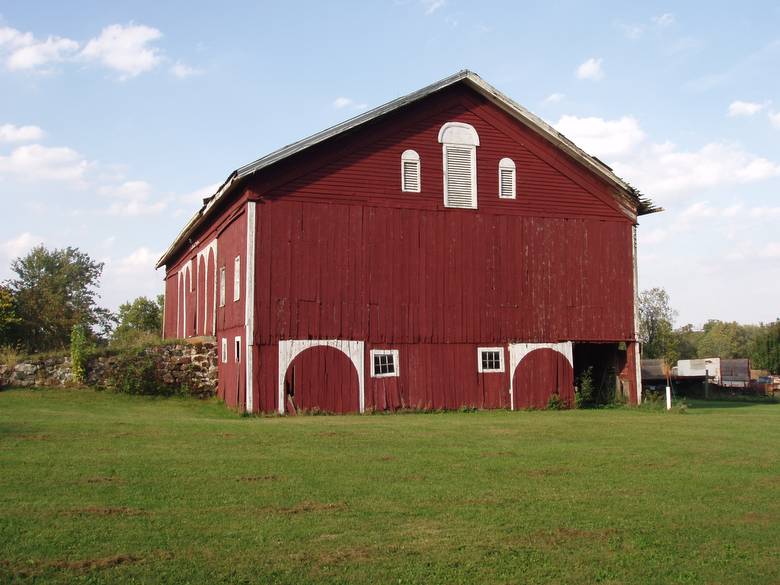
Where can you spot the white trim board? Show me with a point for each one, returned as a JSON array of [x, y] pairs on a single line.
[[290, 348], [249, 301]]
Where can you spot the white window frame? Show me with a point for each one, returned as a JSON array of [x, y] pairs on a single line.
[[507, 164], [410, 156], [222, 284], [237, 349], [481, 350], [463, 136], [224, 350], [391, 352], [236, 278]]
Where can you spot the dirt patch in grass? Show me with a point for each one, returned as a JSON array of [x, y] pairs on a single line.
[[547, 472], [554, 538], [103, 479], [306, 507], [388, 458], [757, 519], [82, 566], [29, 437], [107, 511], [254, 478], [326, 434]]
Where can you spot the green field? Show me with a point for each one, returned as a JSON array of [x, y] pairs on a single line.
[[105, 488]]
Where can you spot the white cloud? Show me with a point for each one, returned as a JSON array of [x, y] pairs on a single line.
[[632, 31], [665, 19], [197, 196], [52, 50], [11, 133], [182, 71], [19, 245], [134, 199], [34, 162], [125, 49], [774, 119], [23, 51], [139, 260], [432, 6], [554, 98], [591, 69], [344, 102], [664, 169], [602, 137], [740, 108], [770, 250]]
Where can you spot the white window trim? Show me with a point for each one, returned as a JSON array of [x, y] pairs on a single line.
[[410, 156], [460, 135], [237, 349], [392, 352], [224, 350], [222, 285], [237, 279], [503, 165], [481, 350]]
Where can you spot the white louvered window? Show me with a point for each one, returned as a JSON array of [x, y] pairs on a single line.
[[410, 171], [507, 180], [459, 143]]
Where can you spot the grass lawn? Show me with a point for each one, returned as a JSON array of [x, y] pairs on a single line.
[[104, 488]]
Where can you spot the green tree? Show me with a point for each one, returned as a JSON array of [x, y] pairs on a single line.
[[765, 349], [725, 340], [139, 318], [55, 290], [688, 341], [9, 319], [656, 331]]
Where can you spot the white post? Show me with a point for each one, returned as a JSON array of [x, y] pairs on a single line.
[[668, 398]]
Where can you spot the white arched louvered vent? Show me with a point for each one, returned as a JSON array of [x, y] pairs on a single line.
[[410, 171], [459, 149], [507, 179]]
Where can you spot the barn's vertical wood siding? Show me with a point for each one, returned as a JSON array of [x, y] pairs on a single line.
[[343, 253]]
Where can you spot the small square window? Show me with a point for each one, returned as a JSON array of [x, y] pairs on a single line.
[[384, 363], [490, 359]]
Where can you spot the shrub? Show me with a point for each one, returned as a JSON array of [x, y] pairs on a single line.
[[78, 349], [584, 393], [135, 372], [9, 356], [555, 402]]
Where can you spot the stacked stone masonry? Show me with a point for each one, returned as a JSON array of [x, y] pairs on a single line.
[[191, 366]]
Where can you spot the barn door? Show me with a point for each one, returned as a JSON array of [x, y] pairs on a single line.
[[540, 374], [323, 379]]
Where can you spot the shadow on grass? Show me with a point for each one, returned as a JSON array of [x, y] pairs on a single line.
[[721, 404]]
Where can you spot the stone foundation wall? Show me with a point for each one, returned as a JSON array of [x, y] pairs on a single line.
[[189, 366]]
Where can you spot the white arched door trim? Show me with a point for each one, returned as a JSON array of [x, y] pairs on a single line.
[[205, 254], [518, 351], [290, 348]]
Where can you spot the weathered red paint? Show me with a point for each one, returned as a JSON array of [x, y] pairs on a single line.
[[540, 375], [342, 253], [323, 378]]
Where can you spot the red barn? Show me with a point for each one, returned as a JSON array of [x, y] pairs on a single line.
[[446, 249]]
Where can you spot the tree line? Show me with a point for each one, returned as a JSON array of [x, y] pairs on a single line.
[[725, 339], [53, 291]]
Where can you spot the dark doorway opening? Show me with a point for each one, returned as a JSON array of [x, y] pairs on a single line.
[[606, 362]]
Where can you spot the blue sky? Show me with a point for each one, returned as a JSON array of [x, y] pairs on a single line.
[[115, 118]]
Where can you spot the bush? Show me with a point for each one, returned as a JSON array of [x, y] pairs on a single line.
[[584, 392], [555, 402], [78, 349], [9, 356], [135, 372]]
